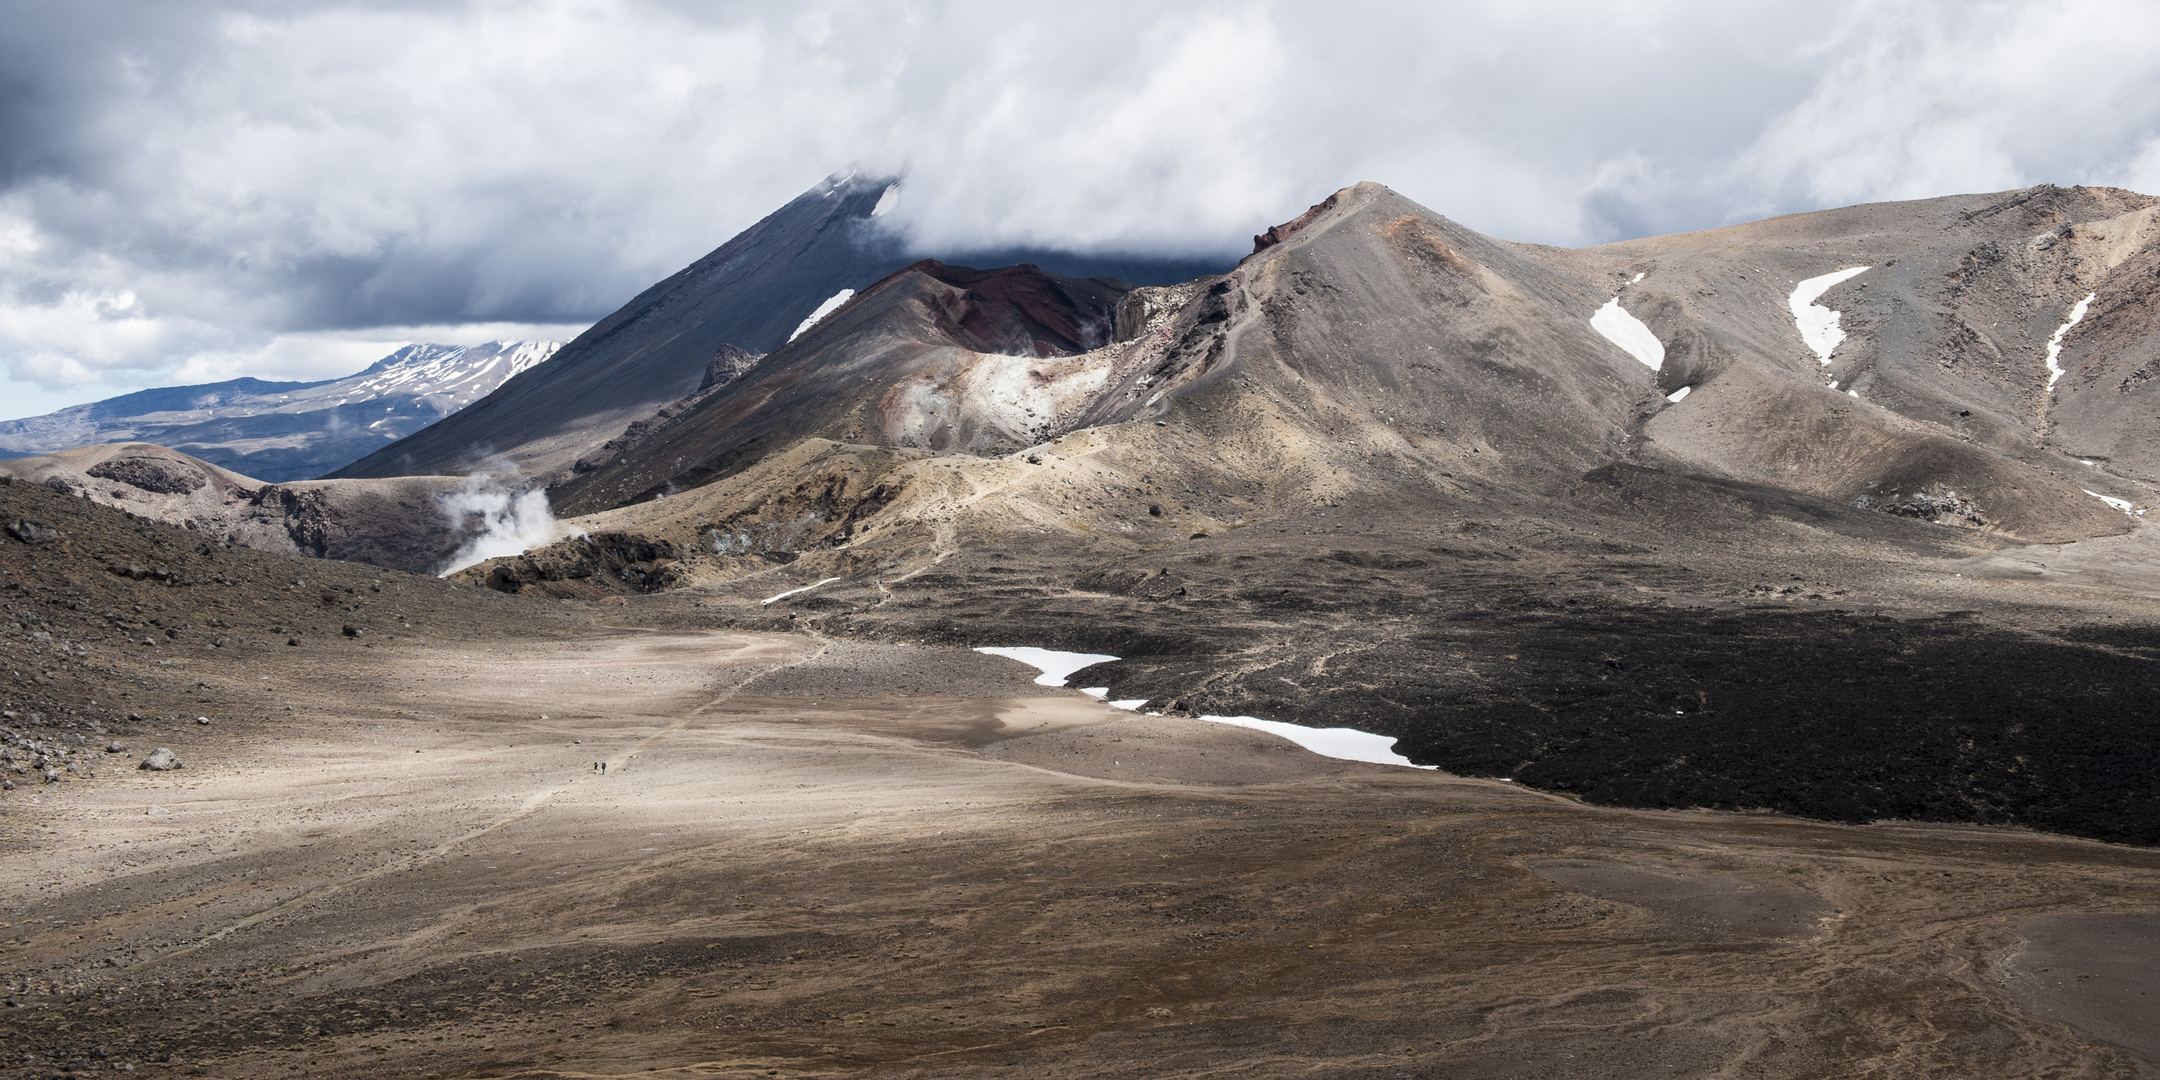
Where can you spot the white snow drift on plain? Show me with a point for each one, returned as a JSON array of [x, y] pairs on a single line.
[[2054, 353], [496, 521], [1818, 324], [1055, 666], [1347, 744], [830, 305], [1629, 333], [2119, 504], [804, 589]]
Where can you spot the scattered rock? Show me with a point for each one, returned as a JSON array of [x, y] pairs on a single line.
[[1941, 505], [353, 631], [293, 640], [115, 748], [160, 760], [202, 720]]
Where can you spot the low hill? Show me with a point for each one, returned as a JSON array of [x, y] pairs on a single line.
[[419, 524]]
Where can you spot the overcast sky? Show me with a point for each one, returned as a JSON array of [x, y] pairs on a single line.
[[194, 190]]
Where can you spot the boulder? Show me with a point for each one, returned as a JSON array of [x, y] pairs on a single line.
[[160, 760], [31, 532]]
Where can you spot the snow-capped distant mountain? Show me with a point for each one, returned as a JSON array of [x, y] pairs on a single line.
[[288, 431], [449, 377]]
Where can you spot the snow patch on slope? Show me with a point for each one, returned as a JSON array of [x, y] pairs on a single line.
[[804, 589], [1629, 333], [1818, 324], [2054, 346], [830, 305], [2119, 504]]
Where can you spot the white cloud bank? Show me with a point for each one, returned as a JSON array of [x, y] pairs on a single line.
[[243, 187]]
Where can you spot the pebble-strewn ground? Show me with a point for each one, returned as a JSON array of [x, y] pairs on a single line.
[[846, 847]]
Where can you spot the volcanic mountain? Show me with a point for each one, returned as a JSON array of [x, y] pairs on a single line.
[[702, 326], [1536, 512], [943, 358], [1373, 346], [281, 431]]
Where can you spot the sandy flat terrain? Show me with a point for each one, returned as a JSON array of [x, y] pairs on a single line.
[[423, 873]]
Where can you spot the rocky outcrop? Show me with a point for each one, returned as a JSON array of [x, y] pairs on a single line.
[[584, 567], [728, 364]]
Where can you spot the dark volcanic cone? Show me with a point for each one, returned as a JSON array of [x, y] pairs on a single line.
[[751, 292]]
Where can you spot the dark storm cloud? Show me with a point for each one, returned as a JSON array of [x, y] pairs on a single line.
[[198, 189]]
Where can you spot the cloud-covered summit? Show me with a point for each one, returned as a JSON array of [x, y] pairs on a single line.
[[198, 190]]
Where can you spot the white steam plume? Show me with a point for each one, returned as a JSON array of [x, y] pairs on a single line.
[[495, 521]]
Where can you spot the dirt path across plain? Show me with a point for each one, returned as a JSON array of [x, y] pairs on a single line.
[[786, 871]]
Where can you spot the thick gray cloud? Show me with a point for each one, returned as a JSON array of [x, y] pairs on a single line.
[[197, 189]]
